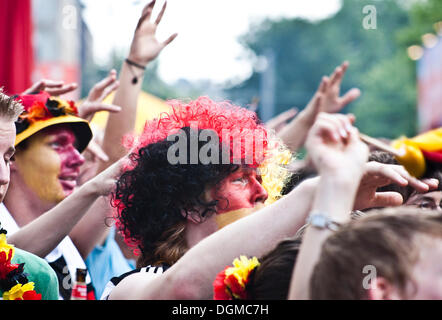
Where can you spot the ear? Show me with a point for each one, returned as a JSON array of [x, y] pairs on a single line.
[[381, 289], [192, 217]]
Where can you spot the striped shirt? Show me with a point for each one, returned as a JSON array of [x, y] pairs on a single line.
[[150, 271]]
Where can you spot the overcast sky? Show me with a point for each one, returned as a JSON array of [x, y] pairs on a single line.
[[206, 47]]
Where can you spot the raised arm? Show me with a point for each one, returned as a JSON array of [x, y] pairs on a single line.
[[193, 275], [145, 48], [339, 156], [326, 99]]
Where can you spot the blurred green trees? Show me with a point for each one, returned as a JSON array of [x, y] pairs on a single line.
[[304, 51]]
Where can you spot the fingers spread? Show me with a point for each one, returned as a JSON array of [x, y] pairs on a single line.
[[160, 15], [62, 90], [114, 86], [324, 84], [350, 96], [170, 39], [146, 13], [50, 83], [97, 151], [109, 80], [97, 107], [336, 76]]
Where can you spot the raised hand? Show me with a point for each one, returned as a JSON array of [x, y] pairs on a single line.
[[332, 101], [145, 46], [379, 175], [278, 122], [314, 106], [105, 182], [94, 102], [54, 88], [333, 145]]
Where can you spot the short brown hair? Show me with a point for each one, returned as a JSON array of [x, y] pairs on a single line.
[[385, 239], [9, 108]]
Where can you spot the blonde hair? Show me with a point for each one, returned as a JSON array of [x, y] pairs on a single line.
[[9, 108]]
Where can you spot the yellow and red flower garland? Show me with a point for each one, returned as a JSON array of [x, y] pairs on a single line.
[[13, 281], [231, 283]]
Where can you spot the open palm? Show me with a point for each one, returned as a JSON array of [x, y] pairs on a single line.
[[145, 46], [332, 102]]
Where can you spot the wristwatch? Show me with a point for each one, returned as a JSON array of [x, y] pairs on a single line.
[[322, 221]]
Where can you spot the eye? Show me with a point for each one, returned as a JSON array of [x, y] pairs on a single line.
[[241, 180], [9, 158], [427, 205], [55, 144]]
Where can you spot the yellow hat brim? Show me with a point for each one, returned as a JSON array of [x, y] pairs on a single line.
[[80, 127]]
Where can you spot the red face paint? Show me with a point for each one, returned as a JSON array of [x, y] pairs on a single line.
[[242, 189], [63, 142]]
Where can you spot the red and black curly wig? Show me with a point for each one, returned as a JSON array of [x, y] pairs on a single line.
[[153, 197]]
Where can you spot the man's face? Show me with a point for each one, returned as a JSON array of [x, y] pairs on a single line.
[[7, 139], [430, 200], [239, 194], [50, 163]]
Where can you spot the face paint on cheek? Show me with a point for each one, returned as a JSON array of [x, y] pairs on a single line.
[[69, 174], [231, 197], [39, 165]]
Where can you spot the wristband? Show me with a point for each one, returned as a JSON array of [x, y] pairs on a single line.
[[134, 64], [321, 221]]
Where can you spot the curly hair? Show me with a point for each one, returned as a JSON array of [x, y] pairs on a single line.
[[155, 198]]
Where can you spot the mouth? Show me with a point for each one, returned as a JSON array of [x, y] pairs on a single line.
[[68, 183]]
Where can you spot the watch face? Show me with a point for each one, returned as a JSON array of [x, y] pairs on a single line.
[[319, 221]]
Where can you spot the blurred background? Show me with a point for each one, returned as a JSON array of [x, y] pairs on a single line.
[[268, 55]]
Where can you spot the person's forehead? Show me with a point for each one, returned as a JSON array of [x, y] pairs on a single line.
[[433, 196], [7, 133], [245, 170], [54, 131]]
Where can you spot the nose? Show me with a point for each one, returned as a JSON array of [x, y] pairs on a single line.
[[260, 194], [4, 173], [75, 159]]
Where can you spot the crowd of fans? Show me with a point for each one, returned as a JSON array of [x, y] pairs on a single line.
[[208, 202]]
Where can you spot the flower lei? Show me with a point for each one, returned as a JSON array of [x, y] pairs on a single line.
[[42, 106], [231, 283], [13, 281]]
